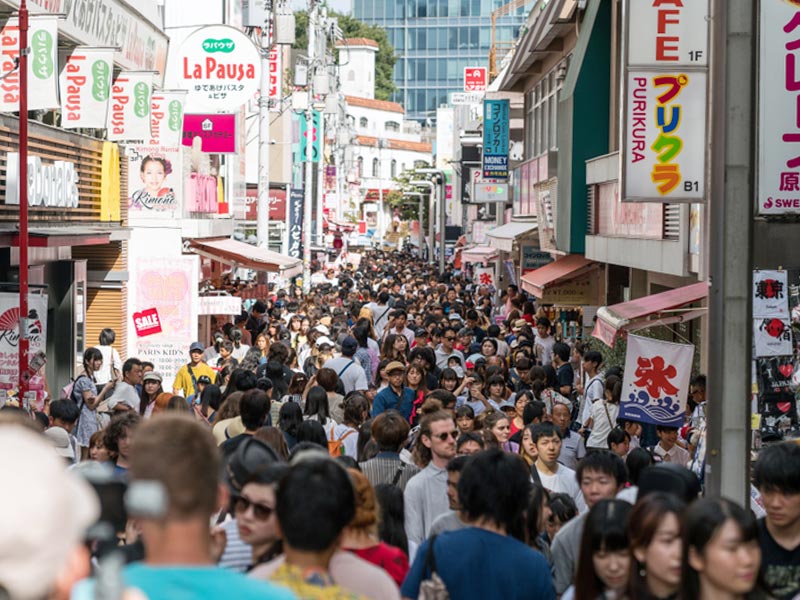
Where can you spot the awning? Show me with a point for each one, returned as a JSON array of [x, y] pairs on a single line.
[[505, 235], [564, 269], [649, 311], [239, 254], [479, 254], [57, 237]]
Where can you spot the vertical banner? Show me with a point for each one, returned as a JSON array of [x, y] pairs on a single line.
[[129, 108], [495, 139], [166, 117], [275, 78], [484, 276], [42, 64], [9, 334], [316, 139], [296, 198], [664, 93], [770, 294], [779, 109], [85, 84], [656, 382]]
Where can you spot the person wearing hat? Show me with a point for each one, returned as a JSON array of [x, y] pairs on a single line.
[[347, 368], [395, 396], [186, 378], [151, 388]]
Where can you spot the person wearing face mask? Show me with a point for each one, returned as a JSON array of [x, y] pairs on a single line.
[[654, 533], [721, 555]]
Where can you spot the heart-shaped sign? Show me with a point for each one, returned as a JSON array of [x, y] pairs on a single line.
[[786, 370], [784, 406]]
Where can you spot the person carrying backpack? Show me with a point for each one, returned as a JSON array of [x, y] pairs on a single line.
[[84, 394]]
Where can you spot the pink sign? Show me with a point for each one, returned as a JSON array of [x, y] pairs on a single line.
[[217, 132]]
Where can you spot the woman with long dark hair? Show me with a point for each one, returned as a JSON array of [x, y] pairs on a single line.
[[85, 396], [317, 409], [210, 402], [391, 519], [289, 421], [151, 388]]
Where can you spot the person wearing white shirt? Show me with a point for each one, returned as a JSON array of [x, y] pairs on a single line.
[[592, 389], [667, 447], [604, 415], [112, 363], [553, 476]]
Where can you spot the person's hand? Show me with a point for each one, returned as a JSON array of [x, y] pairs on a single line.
[[219, 539]]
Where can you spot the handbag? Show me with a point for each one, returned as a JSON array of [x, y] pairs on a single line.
[[434, 587]]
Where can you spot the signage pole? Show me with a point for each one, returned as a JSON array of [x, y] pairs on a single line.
[[309, 158], [442, 220], [23, 199], [262, 225]]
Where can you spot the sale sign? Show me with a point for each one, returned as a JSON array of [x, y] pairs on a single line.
[[42, 64], [147, 322], [85, 84], [474, 79], [129, 110]]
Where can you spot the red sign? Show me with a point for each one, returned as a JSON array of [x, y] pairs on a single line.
[[277, 204], [147, 322], [217, 132], [474, 79]]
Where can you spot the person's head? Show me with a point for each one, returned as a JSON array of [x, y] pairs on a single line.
[[721, 551], [562, 416], [613, 389], [153, 172], [488, 347], [777, 477], [601, 475], [119, 434], [494, 487], [592, 361], [92, 360], [196, 350], [317, 404], [415, 377], [366, 505], [697, 389], [64, 414], [499, 424], [543, 327], [97, 447], [667, 436], [465, 418], [527, 447], [454, 468], [437, 437], [469, 443], [400, 319], [654, 535], [313, 433], [560, 353], [254, 408], [448, 380], [619, 442], [448, 339], [496, 386], [254, 506], [533, 412], [637, 461], [391, 528], [547, 439], [604, 559], [290, 417], [562, 511], [107, 337], [349, 346], [315, 502], [395, 373], [390, 431]]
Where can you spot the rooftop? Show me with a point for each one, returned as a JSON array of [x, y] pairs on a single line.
[[358, 42], [376, 104]]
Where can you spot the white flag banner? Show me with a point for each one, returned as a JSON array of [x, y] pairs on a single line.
[[656, 382], [484, 276], [166, 117], [42, 64], [129, 107], [770, 294], [772, 337], [85, 84]]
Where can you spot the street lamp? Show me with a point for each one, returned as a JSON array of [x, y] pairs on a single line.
[[442, 209], [432, 188]]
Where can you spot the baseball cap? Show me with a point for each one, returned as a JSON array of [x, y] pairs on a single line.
[[395, 365], [152, 376], [204, 379], [507, 406], [349, 345], [323, 340], [59, 437], [421, 332], [322, 329], [196, 347]]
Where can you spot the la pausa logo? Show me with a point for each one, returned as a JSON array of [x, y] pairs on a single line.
[[9, 327], [657, 395], [212, 68]]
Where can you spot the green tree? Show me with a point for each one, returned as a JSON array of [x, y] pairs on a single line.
[[353, 28], [409, 206]]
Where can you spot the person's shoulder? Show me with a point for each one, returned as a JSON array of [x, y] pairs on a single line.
[[573, 528]]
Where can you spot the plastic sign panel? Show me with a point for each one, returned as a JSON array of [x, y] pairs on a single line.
[[296, 199], [316, 139], [220, 67], [490, 192], [85, 83], [147, 322], [779, 109], [665, 91], [474, 79], [217, 132], [495, 139]]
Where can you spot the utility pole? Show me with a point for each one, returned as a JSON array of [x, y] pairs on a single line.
[[23, 200], [442, 220], [308, 198], [733, 123], [262, 225]]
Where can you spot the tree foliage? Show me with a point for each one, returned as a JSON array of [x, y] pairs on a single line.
[[408, 205], [353, 28]]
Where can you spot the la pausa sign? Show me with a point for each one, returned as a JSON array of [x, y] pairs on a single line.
[[217, 67]]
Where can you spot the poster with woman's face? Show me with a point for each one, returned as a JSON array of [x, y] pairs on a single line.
[[154, 182]]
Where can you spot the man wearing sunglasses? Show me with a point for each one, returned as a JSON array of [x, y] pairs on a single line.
[[426, 493], [446, 349]]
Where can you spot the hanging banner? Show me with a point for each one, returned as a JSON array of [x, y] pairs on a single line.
[[9, 333], [316, 139], [275, 79], [495, 139], [772, 337], [778, 109], [42, 64], [220, 67], [770, 294], [295, 248], [166, 117], [656, 382], [484, 276], [129, 109], [85, 83]]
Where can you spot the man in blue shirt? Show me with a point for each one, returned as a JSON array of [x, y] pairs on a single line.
[[396, 396]]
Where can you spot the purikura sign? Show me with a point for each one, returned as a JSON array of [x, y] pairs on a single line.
[[42, 64], [129, 108], [85, 84], [220, 68]]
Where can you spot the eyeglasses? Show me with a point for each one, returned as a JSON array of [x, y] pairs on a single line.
[[443, 436], [450, 338], [260, 511]]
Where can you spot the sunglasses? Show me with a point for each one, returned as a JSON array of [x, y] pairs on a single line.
[[260, 511], [449, 338], [443, 436]]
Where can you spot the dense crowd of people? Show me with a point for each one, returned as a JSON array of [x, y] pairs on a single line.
[[397, 432]]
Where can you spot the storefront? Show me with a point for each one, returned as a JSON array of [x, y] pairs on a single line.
[[77, 247]]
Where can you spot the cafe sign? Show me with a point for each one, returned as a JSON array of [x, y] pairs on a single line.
[[220, 68]]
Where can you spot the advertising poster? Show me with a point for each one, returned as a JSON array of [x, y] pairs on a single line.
[[85, 84], [42, 64], [770, 294], [9, 333], [295, 249], [772, 336], [656, 382], [166, 288], [129, 107], [154, 181], [495, 139]]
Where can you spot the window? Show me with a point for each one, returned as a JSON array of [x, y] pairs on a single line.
[[363, 122], [392, 126], [360, 166], [376, 167], [393, 173], [541, 105]]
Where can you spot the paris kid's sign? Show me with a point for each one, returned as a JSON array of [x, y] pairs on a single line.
[[220, 68]]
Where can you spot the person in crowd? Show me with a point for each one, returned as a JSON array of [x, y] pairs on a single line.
[[547, 471], [344, 436], [426, 493], [667, 448], [317, 410], [446, 350], [289, 421], [500, 425], [592, 388], [396, 396], [125, 391], [98, 451], [118, 439], [185, 383], [493, 491], [253, 411], [151, 388], [112, 363], [601, 475], [565, 375], [777, 477], [572, 446], [465, 419], [697, 396], [84, 395], [543, 342], [453, 519], [721, 552], [389, 432], [391, 518], [619, 442], [469, 443], [604, 414], [636, 462], [347, 367]]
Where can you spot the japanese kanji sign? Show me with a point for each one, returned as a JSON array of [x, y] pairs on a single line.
[[779, 109], [495, 139], [770, 294], [484, 276], [772, 336], [275, 78], [296, 197], [656, 382], [217, 132], [474, 79], [85, 87]]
